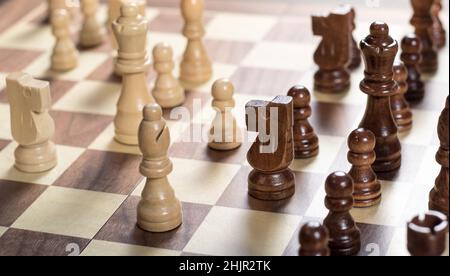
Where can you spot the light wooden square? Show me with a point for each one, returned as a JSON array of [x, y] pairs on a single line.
[[279, 55], [229, 231], [105, 248], [198, 181], [69, 212], [240, 27], [66, 156], [28, 37], [91, 97], [329, 149]]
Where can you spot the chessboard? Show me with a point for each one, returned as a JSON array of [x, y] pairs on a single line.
[[87, 204]]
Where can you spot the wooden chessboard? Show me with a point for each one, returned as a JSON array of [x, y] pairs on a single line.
[[87, 204]]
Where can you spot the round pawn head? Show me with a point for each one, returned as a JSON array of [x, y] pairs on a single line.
[[400, 72], [361, 141], [379, 29], [152, 112], [411, 44], [129, 9], [314, 239], [339, 185], [223, 90], [300, 95], [162, 52]]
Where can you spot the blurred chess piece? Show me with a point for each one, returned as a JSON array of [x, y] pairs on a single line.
[[224, 133], [196, 68], [92, 32], [65, 55], [167, 91]]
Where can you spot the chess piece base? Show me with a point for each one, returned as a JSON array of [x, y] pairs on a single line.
[[64, 63], [309, 148], [271, 187], [91, 41], [333, 81], [170, 98], [224, 146], [159, 225], [37, 158], [366, 200]]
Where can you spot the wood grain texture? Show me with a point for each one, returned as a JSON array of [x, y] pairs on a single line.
[[15, 198], [103, 172], [27, 243]]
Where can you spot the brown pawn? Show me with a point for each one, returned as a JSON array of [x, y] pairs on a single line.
[[306, 141], [437, 31], [367, 188], [412, 57], [399, 106], [427, 234], [273, 151], [439, 194], [333, 53], [314, 240], [379, 50], [345, 237], [423, 23], [355, 56]]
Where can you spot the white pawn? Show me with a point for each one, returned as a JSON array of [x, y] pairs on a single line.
[[224, 134], [167, 92], [196, 67], [159, 209], [92, 32], [65, 55]]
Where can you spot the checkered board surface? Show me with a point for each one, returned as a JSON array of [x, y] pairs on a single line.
[[88, 202]]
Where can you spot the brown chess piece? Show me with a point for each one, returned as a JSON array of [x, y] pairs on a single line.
[[196, 68], [437, 31], [273, 151], [399, 106], [379, 50], [132, 62], [314, 238], [355, 56], [412, 57], [159, 210], [306, 142], [333, 54], [439, 194], [423, 24], [345, 237], [65, 55], [427, 234], [31, 124], [92, 32], [367, 188]]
